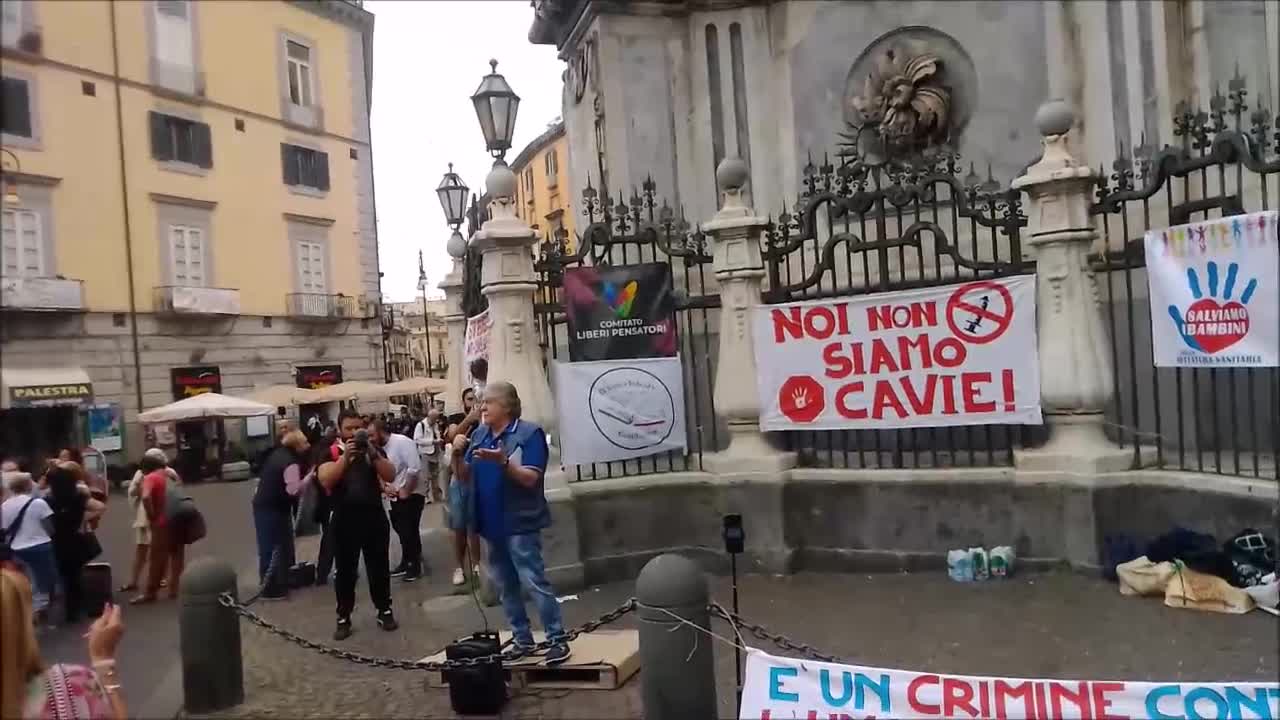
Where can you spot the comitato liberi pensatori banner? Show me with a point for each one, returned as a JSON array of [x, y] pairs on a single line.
[[776, 688], [1215, 292], [939, 356], [619, 312]]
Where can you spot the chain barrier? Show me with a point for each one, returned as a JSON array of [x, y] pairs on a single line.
[[778, 639], [228, 601]]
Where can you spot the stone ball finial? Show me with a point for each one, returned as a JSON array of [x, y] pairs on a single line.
[[731, 174], [500, 182], [456, 246], [1055, 117]]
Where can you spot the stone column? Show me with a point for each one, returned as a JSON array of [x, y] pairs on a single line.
[[455, 322], [735, 233], [508, 281], [1076, 376]]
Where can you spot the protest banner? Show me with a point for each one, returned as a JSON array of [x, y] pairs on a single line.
[[1215, 292], [475, 343], [950, 355], [777, 688], [621, 409], [623, 311]]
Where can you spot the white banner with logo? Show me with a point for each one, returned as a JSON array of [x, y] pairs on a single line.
[[475, 343], [1215, 292], [951, 355], [777, 688], [619, 409]]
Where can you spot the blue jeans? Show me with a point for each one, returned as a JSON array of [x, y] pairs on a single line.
[[43, 570], [274, 530], [517, 559]]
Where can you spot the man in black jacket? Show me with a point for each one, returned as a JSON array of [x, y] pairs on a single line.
[[272, 511], [357, 481]]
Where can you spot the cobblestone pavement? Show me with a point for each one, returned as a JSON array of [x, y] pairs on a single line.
[[1050, 625]]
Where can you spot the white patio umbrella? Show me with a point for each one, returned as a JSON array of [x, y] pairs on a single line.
[[206, 405]]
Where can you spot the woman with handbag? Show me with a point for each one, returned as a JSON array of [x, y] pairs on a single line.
[[73, 544]]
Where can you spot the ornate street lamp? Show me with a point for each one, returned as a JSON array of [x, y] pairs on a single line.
[[496, 105], [453, 195]]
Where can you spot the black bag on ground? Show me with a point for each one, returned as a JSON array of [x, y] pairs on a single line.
[[96, 584], [1198, 551], [1252, 556], [302, 575], [478, 690]]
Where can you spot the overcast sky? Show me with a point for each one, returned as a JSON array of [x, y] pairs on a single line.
[[428, 58]]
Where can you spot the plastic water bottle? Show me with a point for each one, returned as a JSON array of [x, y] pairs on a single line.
[[960, 565]]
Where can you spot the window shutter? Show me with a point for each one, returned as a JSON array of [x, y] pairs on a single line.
[[202, 142], [17, 107], [322, 170], [288, 160], [161, 147]]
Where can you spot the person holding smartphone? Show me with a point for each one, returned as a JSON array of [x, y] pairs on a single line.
[[505, 460], [357, 480]]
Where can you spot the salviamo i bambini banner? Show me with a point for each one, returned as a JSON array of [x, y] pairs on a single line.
[[619, 312], [950, 355], [619, 409], [1215, 292]]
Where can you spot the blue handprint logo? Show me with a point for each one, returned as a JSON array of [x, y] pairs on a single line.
[[1211, 324]]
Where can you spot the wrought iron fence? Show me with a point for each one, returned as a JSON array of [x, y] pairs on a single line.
[[865, 226], [1216, 420], [639, 230]]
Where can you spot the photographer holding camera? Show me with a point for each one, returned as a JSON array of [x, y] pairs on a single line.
[[357, 479]]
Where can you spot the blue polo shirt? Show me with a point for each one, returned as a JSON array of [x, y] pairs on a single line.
[[489, 480]]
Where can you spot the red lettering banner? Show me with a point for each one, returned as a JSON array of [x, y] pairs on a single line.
[[950, 355]]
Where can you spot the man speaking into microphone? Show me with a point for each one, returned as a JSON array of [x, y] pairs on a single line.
[[357, 479]]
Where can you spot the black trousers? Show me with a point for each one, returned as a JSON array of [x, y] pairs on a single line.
[[324, 560], [406, 517], [357, 532]]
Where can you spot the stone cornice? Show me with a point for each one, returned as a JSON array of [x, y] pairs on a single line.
[[557, 22]]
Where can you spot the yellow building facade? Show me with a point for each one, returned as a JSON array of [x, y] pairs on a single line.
[[188, 194], [542, 192]]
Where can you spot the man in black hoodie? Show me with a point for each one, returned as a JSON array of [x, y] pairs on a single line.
[[272, 511]]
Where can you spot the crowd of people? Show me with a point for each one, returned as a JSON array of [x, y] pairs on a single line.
[[372, 476], [49, 516], [369, 476]]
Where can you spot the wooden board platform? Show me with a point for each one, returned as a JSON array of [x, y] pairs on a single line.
[[602, 660]]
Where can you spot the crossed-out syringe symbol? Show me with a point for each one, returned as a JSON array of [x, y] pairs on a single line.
[[977, 319]]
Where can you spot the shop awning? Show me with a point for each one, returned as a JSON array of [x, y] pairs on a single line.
[[45, 387]]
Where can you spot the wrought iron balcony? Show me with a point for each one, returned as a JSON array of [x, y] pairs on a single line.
[[188, 300], [320, 307], [40, 294]]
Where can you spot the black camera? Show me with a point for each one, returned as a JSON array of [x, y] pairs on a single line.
[[735, 537], [360, 443]]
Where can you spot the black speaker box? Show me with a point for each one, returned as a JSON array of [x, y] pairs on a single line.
[[479, 690]]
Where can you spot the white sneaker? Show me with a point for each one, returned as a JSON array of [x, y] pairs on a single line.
[[458, 577]]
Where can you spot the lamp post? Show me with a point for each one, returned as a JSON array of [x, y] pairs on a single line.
[[453, 194], [505, 243], [9, 163], [426, 319]]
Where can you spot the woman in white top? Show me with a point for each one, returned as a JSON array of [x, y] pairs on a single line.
[[25, 519]]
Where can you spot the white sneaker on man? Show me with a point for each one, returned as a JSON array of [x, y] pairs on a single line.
[[458, 577]]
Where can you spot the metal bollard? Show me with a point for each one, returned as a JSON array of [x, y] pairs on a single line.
[[677, 664], [209, 638]]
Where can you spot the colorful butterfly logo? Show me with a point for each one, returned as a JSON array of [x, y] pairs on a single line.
[[620, 301]]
